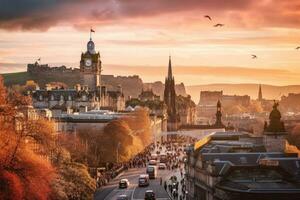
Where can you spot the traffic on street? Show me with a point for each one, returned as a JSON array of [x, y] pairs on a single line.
[[155, 174]]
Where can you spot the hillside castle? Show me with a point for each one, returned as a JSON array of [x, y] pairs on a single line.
[[88, 92]]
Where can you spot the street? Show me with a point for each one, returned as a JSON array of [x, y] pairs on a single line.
[[111, 191], [134, 192]]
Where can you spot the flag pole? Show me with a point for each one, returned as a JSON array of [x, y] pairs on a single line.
[[91, 33]]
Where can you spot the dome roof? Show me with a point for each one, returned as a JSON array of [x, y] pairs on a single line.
[[91, 47]]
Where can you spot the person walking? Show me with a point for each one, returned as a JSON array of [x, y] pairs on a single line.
[[165, 185]]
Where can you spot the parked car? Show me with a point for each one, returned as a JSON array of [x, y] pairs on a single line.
[[124, 183], [149, 195]]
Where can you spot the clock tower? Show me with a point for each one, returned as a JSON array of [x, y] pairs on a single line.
[[90, 67]]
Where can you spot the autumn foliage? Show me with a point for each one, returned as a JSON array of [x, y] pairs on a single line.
[[34, 164], [23, 173], [120, 140]]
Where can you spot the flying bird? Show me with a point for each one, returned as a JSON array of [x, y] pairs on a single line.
[[208, 17], [254, 56], [219, 25], [297, 48]]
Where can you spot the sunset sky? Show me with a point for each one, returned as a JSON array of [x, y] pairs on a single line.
[[137, 36]]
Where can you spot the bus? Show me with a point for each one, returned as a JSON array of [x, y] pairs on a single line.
[[151, 171]]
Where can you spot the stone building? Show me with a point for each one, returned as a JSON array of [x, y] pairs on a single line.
[[208, 99], [239, 165], [186, 110], [88, 94], [151, 101], [236, 165], [218, 124], [148, 95]]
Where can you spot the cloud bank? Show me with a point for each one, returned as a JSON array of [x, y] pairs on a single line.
[[42, 15]]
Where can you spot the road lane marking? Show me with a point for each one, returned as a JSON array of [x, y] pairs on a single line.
[[133, 193]]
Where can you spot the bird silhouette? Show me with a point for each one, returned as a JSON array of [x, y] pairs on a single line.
[[254, 56], [219, 25], [208, 17], [297, 48]]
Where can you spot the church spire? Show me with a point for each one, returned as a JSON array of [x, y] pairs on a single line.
[[170, 100], [260, 98], [170, 75]]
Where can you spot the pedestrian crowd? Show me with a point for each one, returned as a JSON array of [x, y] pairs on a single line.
[[112, 170]]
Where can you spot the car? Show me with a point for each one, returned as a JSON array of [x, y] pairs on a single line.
[[144, 180], [163, 158], [122, 197], [152, 162], [124, 183], [162, 166], [151, 171], [154, 156], [149, 195]]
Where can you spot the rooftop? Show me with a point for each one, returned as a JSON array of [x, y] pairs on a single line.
[[242, 164]]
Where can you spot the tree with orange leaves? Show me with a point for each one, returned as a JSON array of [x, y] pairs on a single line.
[[23, 174], [24, 143]]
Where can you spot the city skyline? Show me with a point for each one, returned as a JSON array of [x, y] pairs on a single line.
[[133, 37]]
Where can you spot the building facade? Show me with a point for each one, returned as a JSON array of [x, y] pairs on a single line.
[[88, 94], [186, 110], [208, 100], [239, 165]]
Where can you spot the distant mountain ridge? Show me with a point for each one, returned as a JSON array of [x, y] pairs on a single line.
[[268, 91]]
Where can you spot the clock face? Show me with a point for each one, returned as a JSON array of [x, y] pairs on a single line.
[[88, 62]]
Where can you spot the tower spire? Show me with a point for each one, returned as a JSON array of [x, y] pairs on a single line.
[[260, 98], [170, 75]]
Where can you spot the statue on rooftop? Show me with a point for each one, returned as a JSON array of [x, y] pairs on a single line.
[[275, 124]]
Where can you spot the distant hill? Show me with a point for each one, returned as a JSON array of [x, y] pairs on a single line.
[[269, 91], [16, 78]]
